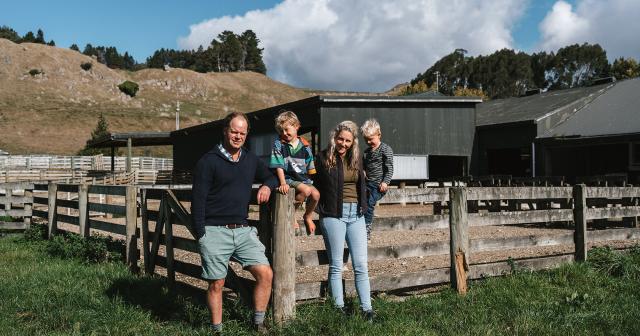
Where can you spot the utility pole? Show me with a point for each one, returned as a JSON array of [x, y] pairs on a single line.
[[178, 115]]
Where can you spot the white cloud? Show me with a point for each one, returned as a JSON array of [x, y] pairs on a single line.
[[365, 45], [613, 24]]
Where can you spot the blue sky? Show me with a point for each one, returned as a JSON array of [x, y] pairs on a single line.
[[337, 44]]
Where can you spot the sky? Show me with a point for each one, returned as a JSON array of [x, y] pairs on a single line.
[[347, 45]]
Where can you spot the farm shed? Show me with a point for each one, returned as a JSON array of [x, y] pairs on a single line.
[[573, 133], [431, 136]]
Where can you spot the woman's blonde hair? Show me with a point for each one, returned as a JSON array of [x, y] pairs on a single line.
[[352, 157], [370, 127]]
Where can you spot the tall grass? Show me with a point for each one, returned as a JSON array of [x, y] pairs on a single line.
[[41, 294]]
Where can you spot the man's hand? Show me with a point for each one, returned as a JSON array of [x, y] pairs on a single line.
[[283, 189], [383, 187], [263, 194], [311, 228]]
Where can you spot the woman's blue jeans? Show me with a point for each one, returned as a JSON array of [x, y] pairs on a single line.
[[335, 231]]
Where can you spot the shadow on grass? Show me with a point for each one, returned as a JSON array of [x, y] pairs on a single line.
[[185, 304]]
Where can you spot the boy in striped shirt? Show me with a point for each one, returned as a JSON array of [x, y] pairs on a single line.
[[292, 159], [378, 165]]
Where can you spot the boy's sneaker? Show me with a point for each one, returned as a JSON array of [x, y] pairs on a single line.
[[260, 328], [369, 315]]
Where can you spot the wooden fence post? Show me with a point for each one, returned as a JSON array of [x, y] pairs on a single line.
[[580, 220], [8, 192], [284, 259], [53, 210], [145, 229], [131, 226], [28, 207], [168, 244], [83, 210], [459, 238]]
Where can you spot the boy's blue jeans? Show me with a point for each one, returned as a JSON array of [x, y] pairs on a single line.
[[334, 231], [374, 195]]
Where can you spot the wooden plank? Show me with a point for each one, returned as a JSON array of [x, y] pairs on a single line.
[[12, 225], [502, 243], [144, 229], [40, 213], [505, 193], [614, 212], [108, 227], [612, 192], [28, 207], [155, 244], [83, 211], [40, 200], [15, 212], [412, 223], [74, 220], [16, 200], [17, 185], [518, 217], [580, 221], [181, 267], [180, 212], [284, 273], [131, 224], [415, 195], [108, 208], [459, 238], [72, 204], [168, 243], [613, 234], [412, 280], [108, 190], [319, 257]]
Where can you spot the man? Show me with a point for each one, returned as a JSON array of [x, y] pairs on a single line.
[[222, 184]]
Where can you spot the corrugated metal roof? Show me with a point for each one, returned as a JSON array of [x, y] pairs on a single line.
[[533, 108], [615, 112]]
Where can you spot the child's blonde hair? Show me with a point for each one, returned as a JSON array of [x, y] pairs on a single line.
[[370, 127], [286, 118]]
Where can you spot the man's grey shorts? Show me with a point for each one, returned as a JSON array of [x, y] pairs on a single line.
[[219, 244]]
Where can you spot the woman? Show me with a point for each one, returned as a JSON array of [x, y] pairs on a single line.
[[343, 202]]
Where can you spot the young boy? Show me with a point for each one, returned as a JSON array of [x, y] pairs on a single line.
[[378, 165], [292, 158]]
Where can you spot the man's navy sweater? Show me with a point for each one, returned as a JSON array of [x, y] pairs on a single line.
[[222, 188]]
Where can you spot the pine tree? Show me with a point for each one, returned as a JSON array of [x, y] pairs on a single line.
[[9, 34], [101, 130], [74, 47]]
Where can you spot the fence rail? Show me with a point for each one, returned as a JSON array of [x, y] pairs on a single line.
[[16, 201], [164, 212], [97, 162]]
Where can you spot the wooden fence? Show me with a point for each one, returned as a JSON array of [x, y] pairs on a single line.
[[166, 225], [16, 200], [137, 176], [97, 162]]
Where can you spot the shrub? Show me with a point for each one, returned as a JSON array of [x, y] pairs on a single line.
[[129, 88], [34, 72], [92, 249], [36, 232], [615, 263], [86, 66]]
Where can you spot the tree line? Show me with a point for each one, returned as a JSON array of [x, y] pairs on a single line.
[[228, 52], [507, 73], [10, 34]]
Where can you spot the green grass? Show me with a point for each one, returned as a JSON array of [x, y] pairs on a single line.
[[45, 295]]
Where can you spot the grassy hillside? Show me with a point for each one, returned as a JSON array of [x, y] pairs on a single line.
[[55, 111]]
